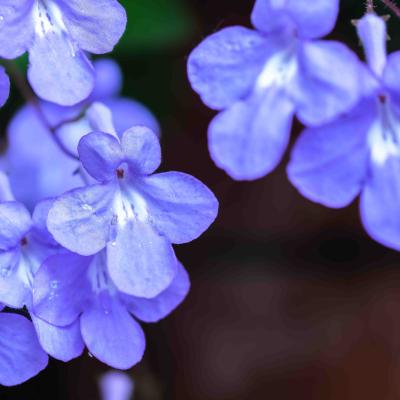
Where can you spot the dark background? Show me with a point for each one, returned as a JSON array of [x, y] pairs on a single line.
[[289, 300]]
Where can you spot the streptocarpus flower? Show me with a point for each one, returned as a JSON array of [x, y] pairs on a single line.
[[32, 149], [21, 356], [57, 33], [86, 293], [260, 78], [360, 152], [24, 245], [136, 215]]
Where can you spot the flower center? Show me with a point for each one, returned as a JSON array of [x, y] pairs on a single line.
[[384, 135], [278, 71]]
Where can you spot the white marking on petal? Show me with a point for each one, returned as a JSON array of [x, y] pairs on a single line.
[[279, 70], [384, 135]]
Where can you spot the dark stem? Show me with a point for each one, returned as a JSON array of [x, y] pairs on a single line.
[[30, 97], [370, 6], [392, 7]]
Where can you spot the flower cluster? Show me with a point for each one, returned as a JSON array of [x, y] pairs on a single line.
[[259, 79], [87, 227]]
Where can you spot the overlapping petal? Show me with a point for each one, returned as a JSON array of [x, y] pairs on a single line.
[[59, 71], [100, 154], [156, 308], [80, 219], [309, 20], [16, 31], [107, 321], [248, 140], [224, 67], [97, 25], [380, 202], [21, 356], [61, 289], [141, 149], [180, 206], [141, 262], [329, 164], [330, 81], [62, 343], [15, 223]]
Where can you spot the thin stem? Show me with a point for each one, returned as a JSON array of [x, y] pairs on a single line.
[[370, 6], [30, 97], [392, 7]]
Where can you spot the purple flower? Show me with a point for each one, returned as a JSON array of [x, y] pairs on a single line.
[[21, 356], [260, 78], [135, 215], [116, 385], [24, 244], [4, 86], [85, 292], [36, 166], [360, 152], [57, 33]]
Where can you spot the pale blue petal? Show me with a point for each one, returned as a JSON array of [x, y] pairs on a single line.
[[15, 223], [61, 288], [142, 150], [111, 334], [97, 25], [62, 343], [31, 149], [16, 27], [141, 262], [329, 164], [21, 356], [179, 205], [59, 72], [152, 310], [308, 19], [80, 219], [330, 81], [380, 202], [249, 139], [108, 79], [224, 67], [100, 154]]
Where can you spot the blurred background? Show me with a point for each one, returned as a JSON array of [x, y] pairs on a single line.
[[289, 300]]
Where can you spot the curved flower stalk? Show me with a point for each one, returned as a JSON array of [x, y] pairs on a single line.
[[259, 79], [359, 153], [57, 34]]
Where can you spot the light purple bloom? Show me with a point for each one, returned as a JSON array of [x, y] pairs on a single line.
[[85, 292], [57, 34], [116, 385], [21, 356], [134, 214], [360, 152], [259, 79], [36, 166], [24, 244]]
